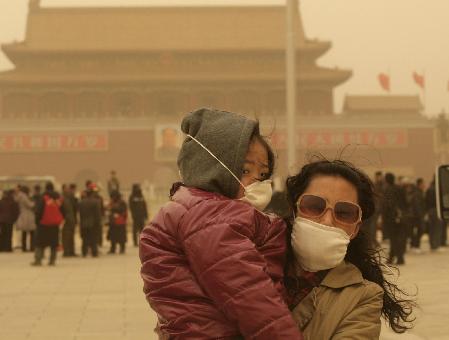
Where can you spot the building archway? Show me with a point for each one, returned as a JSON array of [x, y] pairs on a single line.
[[88, 105], [52, 105], [17, 106]]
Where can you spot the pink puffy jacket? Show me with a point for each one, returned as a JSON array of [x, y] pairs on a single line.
[[213, 267]]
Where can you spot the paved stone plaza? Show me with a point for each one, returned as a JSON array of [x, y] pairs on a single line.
[[102, 299]]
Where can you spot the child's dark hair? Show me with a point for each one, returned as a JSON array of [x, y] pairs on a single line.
[[256, 136], [397, 306]]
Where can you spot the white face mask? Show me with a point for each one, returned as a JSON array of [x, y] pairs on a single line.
[[318, 246], [258, 194]]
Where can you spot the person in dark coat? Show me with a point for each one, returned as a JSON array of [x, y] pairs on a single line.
[[435, 223], [408, 210], [139, 211], [49, 215], [419, 212], [118, 213], [9, 213], [90, 219], [96, 193], [70, 210], [370, 225], [392, 212]]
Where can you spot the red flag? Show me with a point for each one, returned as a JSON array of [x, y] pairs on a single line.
[[384, 80], [419, 80]]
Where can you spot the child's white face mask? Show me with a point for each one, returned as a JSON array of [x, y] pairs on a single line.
[[258, 194]]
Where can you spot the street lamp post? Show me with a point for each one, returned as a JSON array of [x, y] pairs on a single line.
[[291, 84]]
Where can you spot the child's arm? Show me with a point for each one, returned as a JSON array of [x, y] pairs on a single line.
[[273, 248], [226, 263]]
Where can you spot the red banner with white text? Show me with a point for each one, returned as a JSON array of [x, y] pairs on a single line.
[[53, 142], [335, 138]]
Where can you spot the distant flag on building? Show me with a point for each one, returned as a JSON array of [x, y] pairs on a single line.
[[419, 80], [384, 81]]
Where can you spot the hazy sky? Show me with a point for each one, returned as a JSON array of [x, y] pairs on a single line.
[[391, 36]]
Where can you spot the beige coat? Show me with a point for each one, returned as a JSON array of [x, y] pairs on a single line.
[[344, 306], [27, 219]]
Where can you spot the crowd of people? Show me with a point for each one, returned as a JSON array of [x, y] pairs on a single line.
[[49, 219], [405, 211]]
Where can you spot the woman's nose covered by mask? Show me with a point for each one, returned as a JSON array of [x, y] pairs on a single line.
[[258, 194]]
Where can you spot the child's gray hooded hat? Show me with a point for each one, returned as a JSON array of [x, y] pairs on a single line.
[[227, 135]]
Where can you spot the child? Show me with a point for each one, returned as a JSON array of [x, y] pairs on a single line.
[[212, 262]]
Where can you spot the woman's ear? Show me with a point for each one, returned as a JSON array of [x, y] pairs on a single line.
[[356, 231]]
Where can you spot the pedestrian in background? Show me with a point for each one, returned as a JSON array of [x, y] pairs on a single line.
[[435, 223], [90, 219], [370, 225], [70, 210], [392, 219], [139, 211], [408, 207], [118, 213], [50, 217], [419, 212], [9, 212], [26, 223], [96, 194]]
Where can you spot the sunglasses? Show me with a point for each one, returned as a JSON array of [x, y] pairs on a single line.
[[343, 212]]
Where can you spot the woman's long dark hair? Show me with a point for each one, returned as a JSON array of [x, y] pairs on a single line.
[[397, 304]]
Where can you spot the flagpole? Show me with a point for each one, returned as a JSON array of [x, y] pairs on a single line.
[[291, 84]]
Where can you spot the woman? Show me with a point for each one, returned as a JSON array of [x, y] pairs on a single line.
[[27, 218], [335, 278], [118, 214], [212, 261]]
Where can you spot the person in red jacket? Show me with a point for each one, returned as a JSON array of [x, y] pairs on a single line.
[[212, 261], [50, 217]]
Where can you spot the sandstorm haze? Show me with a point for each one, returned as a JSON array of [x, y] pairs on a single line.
[[394, 37], [99, 82]]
